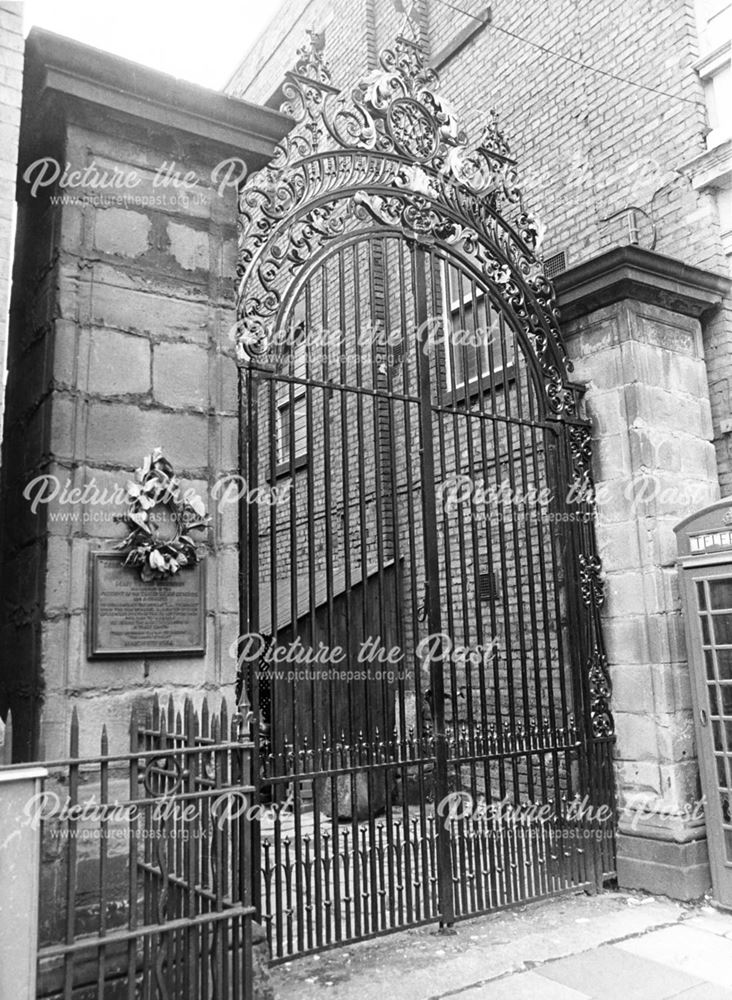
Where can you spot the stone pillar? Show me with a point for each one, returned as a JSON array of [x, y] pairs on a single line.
[[631, 319], [120, 342], [20, 850]]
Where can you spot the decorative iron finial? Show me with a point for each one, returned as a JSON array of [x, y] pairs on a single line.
[[311, 60], [492, 139]]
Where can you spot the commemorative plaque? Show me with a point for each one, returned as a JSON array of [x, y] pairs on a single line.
[[130, 617]]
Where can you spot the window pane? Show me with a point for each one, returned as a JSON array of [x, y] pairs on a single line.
[[293, 419], [724, 802], [300, 361], [717, 735], [720, 594], [701, 595], [725, 695], [467, 345], [472, 333], [301, 426], [722, 629], [709, 658], [284, 455], [724, 664], [721, 772], [713, 704]]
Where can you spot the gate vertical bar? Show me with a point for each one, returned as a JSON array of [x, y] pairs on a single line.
[[247, 689], [432, 584]]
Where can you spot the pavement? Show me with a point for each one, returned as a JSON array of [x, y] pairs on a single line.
[[613, 946]]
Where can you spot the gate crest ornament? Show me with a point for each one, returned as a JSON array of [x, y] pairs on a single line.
[[394, 144]]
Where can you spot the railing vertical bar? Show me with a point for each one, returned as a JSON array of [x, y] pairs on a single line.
[[133, 860], [103, 833], [218, 870], [71, 874]]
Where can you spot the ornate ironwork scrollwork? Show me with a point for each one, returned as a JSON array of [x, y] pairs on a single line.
[[592, 586], [592, 591], [396, 140], [600, 690], [582, 488]]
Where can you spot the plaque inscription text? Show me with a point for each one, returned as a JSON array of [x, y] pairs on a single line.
[[129, 617]]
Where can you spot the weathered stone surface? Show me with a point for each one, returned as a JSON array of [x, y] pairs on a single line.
[[183, 437], [626, 640], [680, 871], [119, 364], [619, 548], [225, 390], [180, 376], [225, 588], [136, 311], [121, 231], [637, 737], [189, 246]]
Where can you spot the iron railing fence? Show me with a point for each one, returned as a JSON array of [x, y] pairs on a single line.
[[145, 890], [330, 879]]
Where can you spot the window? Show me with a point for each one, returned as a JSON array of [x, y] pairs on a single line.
[[292, 401], [478, 344]]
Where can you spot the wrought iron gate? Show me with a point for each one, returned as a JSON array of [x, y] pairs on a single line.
[[420, 590]]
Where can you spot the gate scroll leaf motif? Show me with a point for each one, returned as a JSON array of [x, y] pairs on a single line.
[[592, 586]]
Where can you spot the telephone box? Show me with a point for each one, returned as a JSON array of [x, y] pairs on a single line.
[[705, 564]]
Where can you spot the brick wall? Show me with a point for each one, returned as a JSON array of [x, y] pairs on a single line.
[[11, 74]]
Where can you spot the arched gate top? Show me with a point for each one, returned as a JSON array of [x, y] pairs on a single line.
[[392, 153]]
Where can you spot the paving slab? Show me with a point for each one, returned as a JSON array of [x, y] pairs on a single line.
[[705, 991], [610, 973], [689, 950], [522, 986], [713, 921], [427, 965]]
